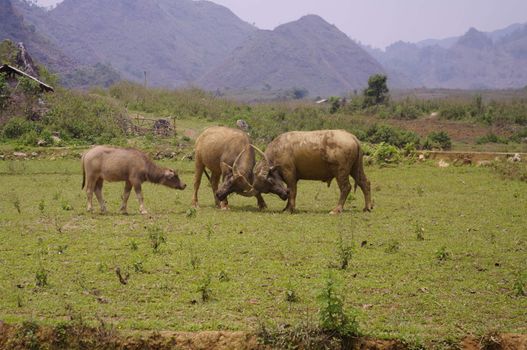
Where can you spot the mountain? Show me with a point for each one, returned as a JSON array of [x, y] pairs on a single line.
[[308, 53], [174, 41], [449, 42], [475, 60], [14, 28]]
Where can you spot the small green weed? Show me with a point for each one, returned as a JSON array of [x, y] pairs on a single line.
[[392, 246], [345, 253], [66, 206], [223, 276], [419, 232], [520, 284], [41, 206], [138, 267], [442, 254], [41, 277], [133, 245], [102, 267], [157, 238], [16, 204], [204, 288], [195, 261], [333, 317], [210, 231], [290, 294], [191, 213]]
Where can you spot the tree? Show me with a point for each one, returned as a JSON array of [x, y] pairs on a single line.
[[377, 91]]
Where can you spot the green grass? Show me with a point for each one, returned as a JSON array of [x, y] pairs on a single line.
[[254, 258]]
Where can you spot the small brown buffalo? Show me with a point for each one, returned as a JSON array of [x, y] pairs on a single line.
[[123, 164], [228, 154], [318, 155]]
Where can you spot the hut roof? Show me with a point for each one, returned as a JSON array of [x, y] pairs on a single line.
[[12, 70]]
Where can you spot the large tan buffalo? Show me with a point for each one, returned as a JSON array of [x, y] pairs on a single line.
[[228, 154], [123, 164], [318, 155]]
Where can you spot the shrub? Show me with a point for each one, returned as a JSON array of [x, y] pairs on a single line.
[[455, 111], [385, 153], [333, 317], [391, 136], [29, 86], [377, 90], [4, 91], [512, 171], [491, 138], [16, 127], [438, 140], [89, 118]]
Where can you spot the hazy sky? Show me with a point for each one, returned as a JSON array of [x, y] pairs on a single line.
[[382, 22]]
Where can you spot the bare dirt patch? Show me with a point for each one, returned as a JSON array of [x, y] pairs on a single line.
[[31, 336], [458, 131]]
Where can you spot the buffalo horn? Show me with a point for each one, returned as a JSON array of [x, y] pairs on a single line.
[[260, 151]]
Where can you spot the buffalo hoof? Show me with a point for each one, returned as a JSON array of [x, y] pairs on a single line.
[[367, 210], [335, 212], [143, 212], [289, 209]]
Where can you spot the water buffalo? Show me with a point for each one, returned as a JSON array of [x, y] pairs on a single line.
[[228, 154], [123, 164], [317, 155]]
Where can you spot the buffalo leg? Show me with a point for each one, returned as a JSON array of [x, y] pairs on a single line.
[[139, 194], [357, 172], [197, 182], [126, 195], [261, 202], [345, 189], [98, 194], [215, 181], [291, 201], [90, 187], [365, 187]]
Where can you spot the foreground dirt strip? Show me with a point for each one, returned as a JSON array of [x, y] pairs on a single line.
[[34, 337]]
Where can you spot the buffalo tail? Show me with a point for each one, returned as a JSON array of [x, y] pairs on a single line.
[[207, 175], [83, 173]]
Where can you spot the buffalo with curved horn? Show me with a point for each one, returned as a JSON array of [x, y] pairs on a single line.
[[229, 155]]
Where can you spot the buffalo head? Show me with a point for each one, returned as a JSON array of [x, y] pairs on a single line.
[[235, 181], [171, 179], [268, 178]]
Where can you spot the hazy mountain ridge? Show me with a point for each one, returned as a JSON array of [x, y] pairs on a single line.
[[15, 28], [476, 60], [308, 53], [184, 42], [175, 41]]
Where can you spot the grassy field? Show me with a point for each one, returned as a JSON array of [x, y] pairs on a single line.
[[233, 270]]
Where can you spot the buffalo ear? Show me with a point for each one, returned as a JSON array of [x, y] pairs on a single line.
[[169, 173], [274, 168]]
